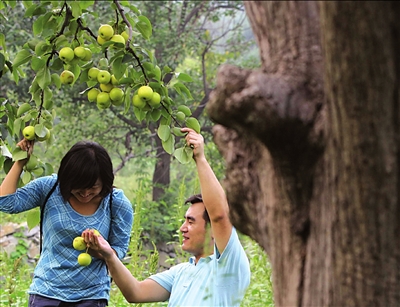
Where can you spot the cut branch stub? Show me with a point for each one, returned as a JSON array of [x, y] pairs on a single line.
[[275, 110]]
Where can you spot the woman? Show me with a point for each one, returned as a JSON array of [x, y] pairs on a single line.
[[83, 198]]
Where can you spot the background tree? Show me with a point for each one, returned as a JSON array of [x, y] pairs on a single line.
[[188, 38], [311, 142], [206, 33]]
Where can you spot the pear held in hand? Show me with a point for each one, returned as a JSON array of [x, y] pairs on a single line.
[[84, 259], [79, 243]]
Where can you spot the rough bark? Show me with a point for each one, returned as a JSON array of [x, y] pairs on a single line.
[[161, 175], [311, 142]]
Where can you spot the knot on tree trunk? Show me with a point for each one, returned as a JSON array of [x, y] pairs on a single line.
[[282, 113]]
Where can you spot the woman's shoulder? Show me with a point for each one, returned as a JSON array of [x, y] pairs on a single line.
[[49, 180], [119, 196]]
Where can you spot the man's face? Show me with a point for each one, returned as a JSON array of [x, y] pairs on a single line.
[[194, 231]]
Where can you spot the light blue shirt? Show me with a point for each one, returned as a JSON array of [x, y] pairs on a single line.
[[58, 274], [217, 280]]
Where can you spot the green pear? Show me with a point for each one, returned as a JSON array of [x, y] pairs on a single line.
[[66, 54], [106, 87], [79, 243], [80, 52], [92, 94], [84, 259], [103, 100], [67, 77], [29, 133], [119, 39], [92, 73], [106, 32], [155, 100], [103, 77], [145, 92], [116, 94], [138, 102]]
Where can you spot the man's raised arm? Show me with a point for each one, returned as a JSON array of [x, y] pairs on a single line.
[[213, 194]]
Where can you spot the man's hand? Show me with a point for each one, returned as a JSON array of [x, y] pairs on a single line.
[[98, 244], [196, 141]]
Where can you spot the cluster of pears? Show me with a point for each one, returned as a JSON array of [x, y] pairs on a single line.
[[106, 33], [145, 96], [79, 244], [108, 92], [67, 55], [29, 134]]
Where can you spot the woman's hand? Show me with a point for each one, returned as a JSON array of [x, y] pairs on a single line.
[[27, 146]]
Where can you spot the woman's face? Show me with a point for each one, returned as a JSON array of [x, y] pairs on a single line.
[[86, 195]]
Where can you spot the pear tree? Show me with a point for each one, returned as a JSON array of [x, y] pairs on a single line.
[[108, 60]]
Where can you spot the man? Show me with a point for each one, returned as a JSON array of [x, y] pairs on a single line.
[[217, 274]]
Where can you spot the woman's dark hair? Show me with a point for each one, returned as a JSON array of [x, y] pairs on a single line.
[[197, 198], [82, 166]]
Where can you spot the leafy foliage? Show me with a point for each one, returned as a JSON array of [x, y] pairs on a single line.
[[57, 25]]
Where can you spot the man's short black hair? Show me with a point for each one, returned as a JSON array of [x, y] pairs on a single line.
[[197, 198]]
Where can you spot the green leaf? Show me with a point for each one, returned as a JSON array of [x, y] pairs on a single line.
[[127, 58], [5, 152], [76, 69], [155, 114], [56, 80], [19, 154], [41, 22], [183, 77], [164, 132], [40, 130], [182, 155], [193, 123], [33, 218], [2, 61], [144, 26], [128, 100], [183, 91], [129, 5], [43, 77], [85, 4], [18, 123], [48, 99], [38, 171], [139, 113], [177, 131], [76, 8], [37, 63], [166, 70], [185, 110], [3, 41], [26, 177], [22, 57], [168, 145], [57, 64], [118, 68]]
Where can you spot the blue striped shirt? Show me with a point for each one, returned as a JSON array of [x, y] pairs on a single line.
[[58, 274]]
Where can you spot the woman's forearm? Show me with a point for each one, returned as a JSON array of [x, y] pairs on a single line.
[[10, 183]]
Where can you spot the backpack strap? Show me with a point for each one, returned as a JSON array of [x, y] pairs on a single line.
[[42, 214]]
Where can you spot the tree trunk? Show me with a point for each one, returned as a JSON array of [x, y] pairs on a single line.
[[311, 142], [161, 175]]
